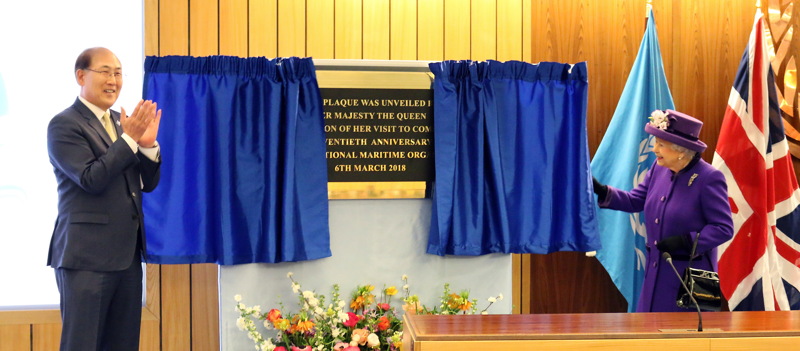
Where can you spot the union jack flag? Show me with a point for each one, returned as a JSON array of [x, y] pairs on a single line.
[[759, 268]]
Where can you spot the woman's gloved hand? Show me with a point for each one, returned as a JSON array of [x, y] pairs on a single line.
[[600, 189], [674, 243]]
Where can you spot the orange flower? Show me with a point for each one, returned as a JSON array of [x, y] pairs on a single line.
[[457, 302], [305, 326], [357, 303], [273, 315], [359, 336], [454, 301], [383, 323]]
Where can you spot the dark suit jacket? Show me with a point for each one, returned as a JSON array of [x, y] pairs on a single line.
[[100, 215]]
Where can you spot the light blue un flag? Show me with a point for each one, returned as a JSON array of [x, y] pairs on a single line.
[[622, 160]]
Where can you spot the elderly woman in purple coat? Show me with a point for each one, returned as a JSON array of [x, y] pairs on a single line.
[[684, 200]]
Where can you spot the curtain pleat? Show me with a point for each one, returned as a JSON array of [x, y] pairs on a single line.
[[244, 176], [512, 159]]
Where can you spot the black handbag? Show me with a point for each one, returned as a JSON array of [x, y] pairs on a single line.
[[703, 286]]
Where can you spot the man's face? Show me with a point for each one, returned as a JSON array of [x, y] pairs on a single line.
[[102, 81]]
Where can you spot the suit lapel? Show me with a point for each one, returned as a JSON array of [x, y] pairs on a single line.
[[93, 122]]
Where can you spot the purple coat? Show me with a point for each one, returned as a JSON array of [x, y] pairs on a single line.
[[693, 200]]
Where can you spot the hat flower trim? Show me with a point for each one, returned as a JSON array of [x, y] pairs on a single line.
[[659, 119]]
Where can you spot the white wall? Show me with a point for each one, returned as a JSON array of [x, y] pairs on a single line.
[[373, 242], [39, 41]]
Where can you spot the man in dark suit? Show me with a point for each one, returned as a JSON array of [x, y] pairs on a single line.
[[103, 160]]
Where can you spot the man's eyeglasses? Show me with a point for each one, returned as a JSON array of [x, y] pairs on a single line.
[[107, 74]]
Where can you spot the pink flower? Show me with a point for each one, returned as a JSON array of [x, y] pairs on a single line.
[[384, 306], [352, 320], [352, 348], [340, 346], [279, 348], [307, 348]]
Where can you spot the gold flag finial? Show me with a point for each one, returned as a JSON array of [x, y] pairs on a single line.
[[758, 3], [648, 8]]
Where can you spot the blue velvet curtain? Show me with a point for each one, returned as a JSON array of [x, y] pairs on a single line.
[[512, 159], [244, 175]]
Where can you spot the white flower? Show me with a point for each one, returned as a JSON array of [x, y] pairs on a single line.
[[484, 312], [295, 288], [257, 308], [289, 275], [308, 294], [343, 316], [240, 323], [404, 277], [659, 119], [341, 304], [237, 298], [267, 324], [319, 311], [499, 297], [335, 332], [373, 340], [492, 299], [405, 287]]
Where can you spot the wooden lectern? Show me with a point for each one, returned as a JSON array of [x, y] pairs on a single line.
[[604, 331]]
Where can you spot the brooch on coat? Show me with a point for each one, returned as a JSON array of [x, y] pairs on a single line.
[[691, 180]]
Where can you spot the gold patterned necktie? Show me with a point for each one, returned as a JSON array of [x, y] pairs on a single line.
[[109, 126]]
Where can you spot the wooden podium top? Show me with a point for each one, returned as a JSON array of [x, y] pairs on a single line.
[[601, 326]]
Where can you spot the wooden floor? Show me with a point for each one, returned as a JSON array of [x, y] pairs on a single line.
[[606, 331]]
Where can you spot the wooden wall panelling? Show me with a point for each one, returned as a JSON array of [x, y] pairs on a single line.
[[556, 30], [509, 29], [151, 28], [291, 28], [403, 30], [569, 282], [150, 338], [483, 29], [46, 337], [205, 307], [457, 30], [176, 316], [15, 337], [527, 23], [173, 27], [204, 26], [713, 36], [262, 33], [665, 23], [609, 53], [375, 25], [233, 24], [320, 29], [347, 29], [175, 279], [430, 30]]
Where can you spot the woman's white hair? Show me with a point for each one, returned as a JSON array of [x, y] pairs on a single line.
[[683, 150]]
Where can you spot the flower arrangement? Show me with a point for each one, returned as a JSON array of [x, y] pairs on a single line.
[[659, 119], [371, 323]]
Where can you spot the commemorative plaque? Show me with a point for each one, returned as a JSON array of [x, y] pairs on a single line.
[[379, 133]]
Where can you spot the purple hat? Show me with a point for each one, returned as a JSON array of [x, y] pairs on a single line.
[[677, 128]]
